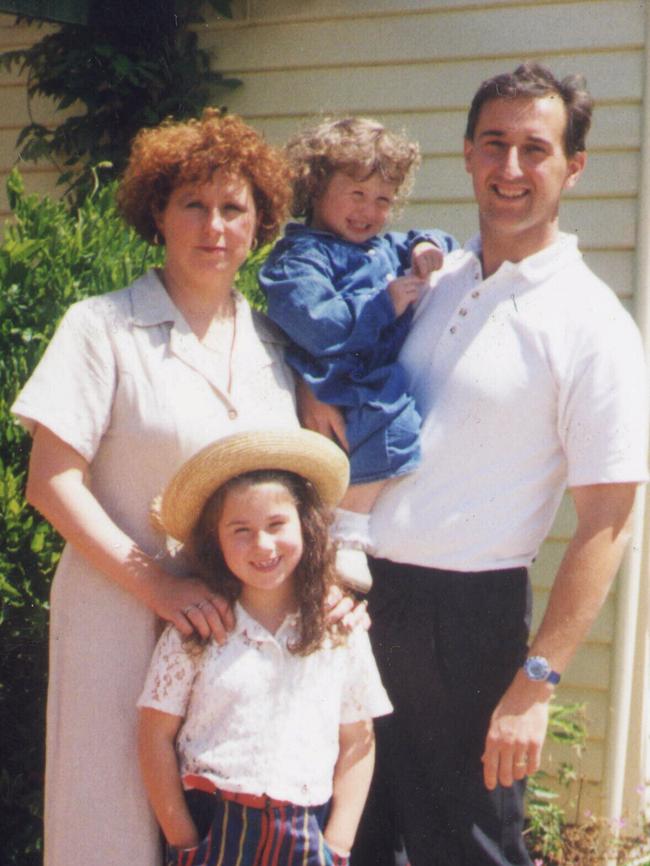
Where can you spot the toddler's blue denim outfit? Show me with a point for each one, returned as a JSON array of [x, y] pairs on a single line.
[[329, 296]]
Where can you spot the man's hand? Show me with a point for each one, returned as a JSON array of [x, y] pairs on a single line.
[[513, 746], [346, 610], [426, 258]]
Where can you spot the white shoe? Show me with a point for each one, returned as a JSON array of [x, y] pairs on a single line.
[[352, 567]]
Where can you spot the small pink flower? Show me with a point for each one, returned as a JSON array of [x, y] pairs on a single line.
[[640, 789], [538, 862], [588, 813]]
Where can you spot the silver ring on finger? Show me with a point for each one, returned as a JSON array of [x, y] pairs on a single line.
[[188, 608]]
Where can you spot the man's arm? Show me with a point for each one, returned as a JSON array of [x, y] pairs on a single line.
[[518, 726]]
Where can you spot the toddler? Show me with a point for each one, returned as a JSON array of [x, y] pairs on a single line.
[[260, 750], [344, 294]]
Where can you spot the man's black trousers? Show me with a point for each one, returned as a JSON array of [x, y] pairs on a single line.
[[448, 644]]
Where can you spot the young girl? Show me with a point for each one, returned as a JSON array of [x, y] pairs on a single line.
[[260, 750], [344, 294]]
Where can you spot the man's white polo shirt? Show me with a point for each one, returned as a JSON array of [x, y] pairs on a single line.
[[528, 381]]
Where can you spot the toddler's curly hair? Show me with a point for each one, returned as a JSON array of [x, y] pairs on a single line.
[[358, 146]]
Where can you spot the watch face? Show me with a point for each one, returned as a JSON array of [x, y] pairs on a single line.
[[537, 668]]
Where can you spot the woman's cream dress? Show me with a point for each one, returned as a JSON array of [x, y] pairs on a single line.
[[126, 383]]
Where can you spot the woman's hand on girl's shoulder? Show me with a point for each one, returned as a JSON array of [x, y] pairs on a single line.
[[346, 610], [193, 608]]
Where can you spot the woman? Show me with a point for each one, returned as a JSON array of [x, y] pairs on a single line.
[[134, 383]]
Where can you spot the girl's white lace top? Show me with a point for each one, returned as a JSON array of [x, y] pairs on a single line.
[[257, 718]]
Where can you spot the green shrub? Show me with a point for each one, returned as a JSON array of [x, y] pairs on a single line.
[[50, 258]]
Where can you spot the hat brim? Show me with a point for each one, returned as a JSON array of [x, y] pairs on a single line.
[[308, 454]]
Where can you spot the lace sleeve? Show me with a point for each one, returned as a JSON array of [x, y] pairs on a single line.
[[171, 673]]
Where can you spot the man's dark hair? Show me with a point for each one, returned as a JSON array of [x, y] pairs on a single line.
[[533, 80]]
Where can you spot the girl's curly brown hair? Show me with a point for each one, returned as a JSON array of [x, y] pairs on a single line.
[[314, 574], [358, 146], [189, 152]]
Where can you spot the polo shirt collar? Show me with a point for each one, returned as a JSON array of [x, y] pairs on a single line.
[[540, 266]]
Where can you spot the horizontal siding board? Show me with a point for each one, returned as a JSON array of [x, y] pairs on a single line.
[[548, 560], [565, 522], [315, 9], [616, 126], [602, 631], [607, 174], [617, 268], [613, 76], [590, 667], [590, 765], [411, 38], [596, 708], [13, 76], [441, 132], [7, 148], [13, 36], [16, 108], [606, 223]]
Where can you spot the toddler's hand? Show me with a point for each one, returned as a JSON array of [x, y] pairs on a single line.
[[426, 258], [404, 291]]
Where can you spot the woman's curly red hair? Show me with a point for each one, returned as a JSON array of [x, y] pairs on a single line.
[[189, 152]]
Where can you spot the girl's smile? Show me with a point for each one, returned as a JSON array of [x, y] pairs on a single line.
[[355, 210]]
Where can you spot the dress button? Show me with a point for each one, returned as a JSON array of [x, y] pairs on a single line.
[[232, 414], [462, 311]]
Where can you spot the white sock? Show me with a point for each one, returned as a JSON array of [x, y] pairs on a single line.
[[352, 528]]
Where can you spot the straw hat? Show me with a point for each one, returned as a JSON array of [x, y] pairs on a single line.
[[308, 454]]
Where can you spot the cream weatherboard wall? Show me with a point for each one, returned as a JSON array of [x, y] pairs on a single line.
[[415, 64], [16, 112]]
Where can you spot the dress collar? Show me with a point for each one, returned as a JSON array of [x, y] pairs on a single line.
[[151, 305], [540, 265]]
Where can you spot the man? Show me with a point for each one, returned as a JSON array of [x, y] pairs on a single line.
[[528, 373]]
